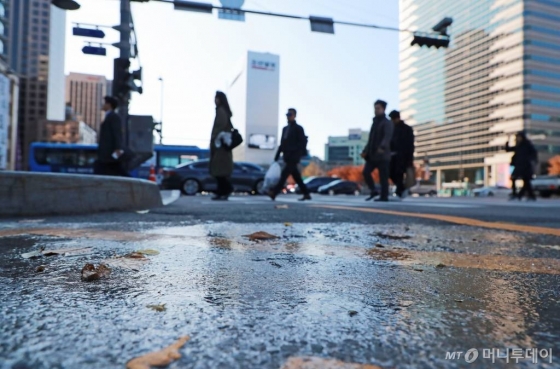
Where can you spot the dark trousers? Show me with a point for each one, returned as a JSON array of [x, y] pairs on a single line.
[[224, 186], [397, 175], [292, 169], [110, 169], [383, 167], [527, 188]]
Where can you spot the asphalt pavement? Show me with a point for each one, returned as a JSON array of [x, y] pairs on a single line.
[[339, 283]]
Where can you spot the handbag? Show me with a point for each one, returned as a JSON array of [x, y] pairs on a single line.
[[236, 138]]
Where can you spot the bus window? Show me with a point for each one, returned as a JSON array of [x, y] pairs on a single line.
[[168, 160]]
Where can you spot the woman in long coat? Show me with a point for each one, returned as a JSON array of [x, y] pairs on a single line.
[[221, 157], [524, 160]]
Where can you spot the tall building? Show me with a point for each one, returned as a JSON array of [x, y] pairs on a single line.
[[36, 53], [343, 150], [85, 93], [500, 75], [253, 94]]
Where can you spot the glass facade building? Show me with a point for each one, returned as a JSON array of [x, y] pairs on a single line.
[[500, 75]]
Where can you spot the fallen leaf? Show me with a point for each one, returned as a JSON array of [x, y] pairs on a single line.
[[379, 245], [148, 252], [32, 221], [40, 269], [32, 255], [458, 300], [158, 358], [391, 236], [159, 308], [418, 270], [352, 312], [68, 252], [126, 263], [281, 207], [260, 236], [90, 273], [440, 265], [134, 255], [288, 224]]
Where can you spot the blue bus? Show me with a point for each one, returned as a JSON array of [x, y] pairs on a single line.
[[79, 159]]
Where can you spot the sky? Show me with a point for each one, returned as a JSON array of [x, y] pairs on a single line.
[[332, 80]]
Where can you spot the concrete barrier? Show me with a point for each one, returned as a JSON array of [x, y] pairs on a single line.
[[31, 194]]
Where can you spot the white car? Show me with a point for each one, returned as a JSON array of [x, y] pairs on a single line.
[[490, 191]]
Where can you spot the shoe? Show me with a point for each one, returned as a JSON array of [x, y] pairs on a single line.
[[404, 194], [272, 195], [220, 198], [305, 197], [532, 199], [371, 197], [381, 199]]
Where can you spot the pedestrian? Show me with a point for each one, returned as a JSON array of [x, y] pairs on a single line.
[[293, 146], [524, 160], [402, 151], [377, 152], [111, 143], [221, 157]]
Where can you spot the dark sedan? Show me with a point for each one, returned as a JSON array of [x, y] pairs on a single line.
[[340, 187], [192, 178], [313, 183]]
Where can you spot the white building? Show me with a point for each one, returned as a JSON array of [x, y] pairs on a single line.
[[346, 149], [253, 93]]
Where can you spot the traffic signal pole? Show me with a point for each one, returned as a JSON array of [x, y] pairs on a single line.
[[124, 45]]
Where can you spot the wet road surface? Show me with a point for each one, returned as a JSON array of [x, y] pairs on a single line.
[[337, 288]]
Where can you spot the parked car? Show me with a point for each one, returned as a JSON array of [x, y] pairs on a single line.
[[340, 187], [547, 185], [313, 183], [424, 188], [194, 177], [490, 191]]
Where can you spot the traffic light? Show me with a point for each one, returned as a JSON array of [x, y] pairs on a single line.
[[124, 80], [429, 40]]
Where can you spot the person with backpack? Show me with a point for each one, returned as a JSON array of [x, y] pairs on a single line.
[[293, 146], [221, 157]]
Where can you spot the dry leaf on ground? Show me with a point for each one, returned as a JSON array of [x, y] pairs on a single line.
[[91, 273], [288, 224], [259, 236], [135, 255], [158, 358], [40, 269], [68, 252], [148, 252], [32, 254], [158, 308]]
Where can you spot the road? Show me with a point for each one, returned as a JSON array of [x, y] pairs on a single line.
[[346, 283]]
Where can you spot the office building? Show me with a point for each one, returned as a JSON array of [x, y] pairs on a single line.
[[35, 52], [85, 93], [346, 150], [253, 94], [500, 75], [68, 131]]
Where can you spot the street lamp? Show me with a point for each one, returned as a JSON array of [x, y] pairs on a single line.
[[66, 4]]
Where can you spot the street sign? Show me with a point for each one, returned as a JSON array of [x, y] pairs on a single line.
[[93, 50], [321, 24], [88, 32]]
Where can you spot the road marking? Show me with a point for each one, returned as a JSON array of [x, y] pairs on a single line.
[[320, 363], [452, 219]]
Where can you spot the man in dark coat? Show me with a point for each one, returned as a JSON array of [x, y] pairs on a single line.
[[111, 145], [293, 145], [524, 160], [377, 152], [402, 151]]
